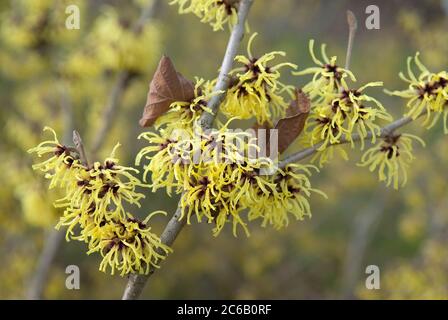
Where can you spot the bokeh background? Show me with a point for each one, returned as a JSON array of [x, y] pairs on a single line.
[[64, 78]]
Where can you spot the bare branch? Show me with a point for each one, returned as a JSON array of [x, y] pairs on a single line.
[[136, 283], [352, 27]]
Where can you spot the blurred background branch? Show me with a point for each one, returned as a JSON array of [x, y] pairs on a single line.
[[363, 229]]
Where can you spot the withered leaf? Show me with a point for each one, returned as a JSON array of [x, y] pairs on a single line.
[[166, 87], [290, 127]]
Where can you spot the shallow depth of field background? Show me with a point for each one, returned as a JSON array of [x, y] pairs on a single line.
[[362, 223]]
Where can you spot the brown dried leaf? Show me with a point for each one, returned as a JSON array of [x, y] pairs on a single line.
[[290, 127], [166, 87]]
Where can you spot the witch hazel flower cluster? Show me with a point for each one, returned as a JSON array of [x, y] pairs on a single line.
[[94, 208]]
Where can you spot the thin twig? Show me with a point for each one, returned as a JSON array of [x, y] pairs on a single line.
[[352, 27], [385, 131], [123, 80], [136, 283]]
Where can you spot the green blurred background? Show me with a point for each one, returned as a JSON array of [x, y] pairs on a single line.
[[51, 76]]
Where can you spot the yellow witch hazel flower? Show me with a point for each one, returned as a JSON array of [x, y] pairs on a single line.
[[102, 187], [289, 195], [217, 194], [217, 13], [211, 196], [170, 158], [391, 157], [61, 166], [427, 94], [132, 244], [338, 112], [255, 89], [327, 75], [346, 113], [94, 203], [223, 178]]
